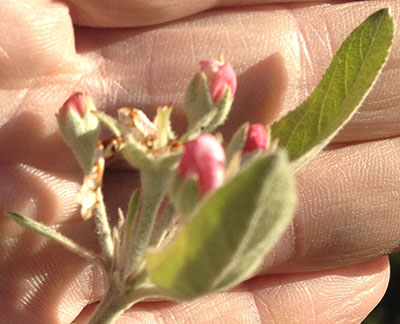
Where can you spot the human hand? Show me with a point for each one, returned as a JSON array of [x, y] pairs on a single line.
[[319, 272]]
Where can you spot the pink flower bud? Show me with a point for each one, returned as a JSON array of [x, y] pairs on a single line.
[[76, 102], [220, 76], [80, 129], [256, 138], [204, 157]]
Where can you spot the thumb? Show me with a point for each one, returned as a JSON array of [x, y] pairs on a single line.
[[36, 39]]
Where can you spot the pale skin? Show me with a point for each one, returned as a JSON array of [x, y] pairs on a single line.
[[329, 267]]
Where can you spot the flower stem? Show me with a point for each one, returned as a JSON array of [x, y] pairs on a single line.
[[152, 194], [103, 230], [110, 308], [115, 302]]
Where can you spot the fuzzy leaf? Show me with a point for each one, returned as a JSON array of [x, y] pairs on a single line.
[[355, 67], [185, 194], [222, 111], [217, 247], [57, 237], [237, 142], [198, 101], [110, 122]]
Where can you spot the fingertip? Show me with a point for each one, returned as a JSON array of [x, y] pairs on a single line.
[[344, 295], [35, 40]]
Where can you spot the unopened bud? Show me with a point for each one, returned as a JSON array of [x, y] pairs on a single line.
[[205, 158], [256, 138], [209, 97], [80, 129], [220, 77], [77, 102]]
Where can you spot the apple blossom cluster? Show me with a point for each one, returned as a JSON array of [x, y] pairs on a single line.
[[185, 179], [203, 156]]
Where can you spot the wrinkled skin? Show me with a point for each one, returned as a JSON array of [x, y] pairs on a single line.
[[328, 268]]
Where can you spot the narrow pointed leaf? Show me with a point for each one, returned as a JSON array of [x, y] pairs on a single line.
[[198, 101], [237, 142], [352, 73], [57, 237], [152, 193], [133, 207], [163, 226], [110, 122], [220, 235], [222, 111]]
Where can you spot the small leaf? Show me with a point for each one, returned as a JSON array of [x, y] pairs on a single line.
[[306, 130], [81, 135], [198, 101], [134, 153], [237, 142], [219, 237], [57, 237], [185, 194], [133, 208], [223, 108], [197, 129], [110, 122], [162, 226], [153, 189]]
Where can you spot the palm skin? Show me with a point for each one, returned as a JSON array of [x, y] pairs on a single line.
[[327, 268]]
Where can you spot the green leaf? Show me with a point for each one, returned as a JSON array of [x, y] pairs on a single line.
[[110, 122], [133, 208], [162, 226], [81, 135], [198, 101], [237, 142], [57, 237], [133, 152], [197, 129], [222, 111], [229, 233], [153, 189], [185, 194], [352, 73]]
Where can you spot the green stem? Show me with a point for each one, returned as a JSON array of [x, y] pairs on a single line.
[[111, 307], [153, 190], [115, 303], [103, 230]]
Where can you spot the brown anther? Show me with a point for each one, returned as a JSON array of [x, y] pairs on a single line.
[[174, 146], [111, 146]]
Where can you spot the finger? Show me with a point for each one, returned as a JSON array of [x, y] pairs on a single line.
[[344, 295], [133, 13], [40, 281], [34, 39], [279, 59], [347, 212]]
